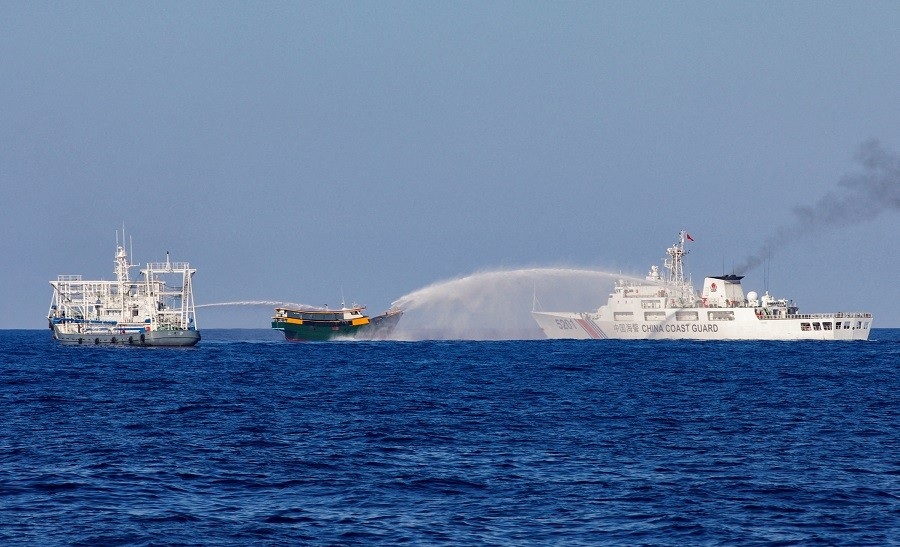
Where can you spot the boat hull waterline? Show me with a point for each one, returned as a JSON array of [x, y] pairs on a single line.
[[124, 337], [588, 325]]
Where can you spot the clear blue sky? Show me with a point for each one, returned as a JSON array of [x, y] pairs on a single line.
[[297, 151]]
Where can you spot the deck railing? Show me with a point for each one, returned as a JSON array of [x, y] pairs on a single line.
[[839, 315]]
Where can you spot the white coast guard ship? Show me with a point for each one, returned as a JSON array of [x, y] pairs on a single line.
[[667, 307], [156, 310]]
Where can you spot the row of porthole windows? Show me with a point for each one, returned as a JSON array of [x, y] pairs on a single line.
[[826, 325]]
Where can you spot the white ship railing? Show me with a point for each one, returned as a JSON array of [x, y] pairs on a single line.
[[839, 315], [168, 266]]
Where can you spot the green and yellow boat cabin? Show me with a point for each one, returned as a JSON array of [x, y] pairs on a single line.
[[325, 324]]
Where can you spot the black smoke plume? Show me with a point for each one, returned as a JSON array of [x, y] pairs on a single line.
[[861, 198]]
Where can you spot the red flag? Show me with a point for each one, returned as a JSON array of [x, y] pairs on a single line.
[[689, 236]]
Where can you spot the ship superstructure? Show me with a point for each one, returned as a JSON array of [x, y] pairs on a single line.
[[667, 306], [156, 309]]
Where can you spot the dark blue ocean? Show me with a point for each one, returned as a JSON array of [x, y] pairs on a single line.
[[247, 439]]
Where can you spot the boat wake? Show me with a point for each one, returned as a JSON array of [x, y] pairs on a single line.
[[496, 304]]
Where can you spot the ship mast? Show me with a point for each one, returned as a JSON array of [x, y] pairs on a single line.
[[680, 288], [122, 267], [675, 262]]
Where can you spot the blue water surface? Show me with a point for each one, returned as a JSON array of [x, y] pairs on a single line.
[[248, 439]]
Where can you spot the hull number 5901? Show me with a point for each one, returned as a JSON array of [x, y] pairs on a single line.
[[566, 324]]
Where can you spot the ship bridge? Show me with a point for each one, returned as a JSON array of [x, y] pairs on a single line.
[[723, 291]]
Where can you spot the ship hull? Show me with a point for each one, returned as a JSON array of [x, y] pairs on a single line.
[[379, 327], [127, 337], [382, 326], [745, 326]]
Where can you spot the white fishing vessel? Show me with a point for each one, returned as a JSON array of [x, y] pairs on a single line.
[[155, 310], [666, 306]]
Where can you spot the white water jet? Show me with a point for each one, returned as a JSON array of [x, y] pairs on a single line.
[[255, 314], [268, 303], [497, 305]]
